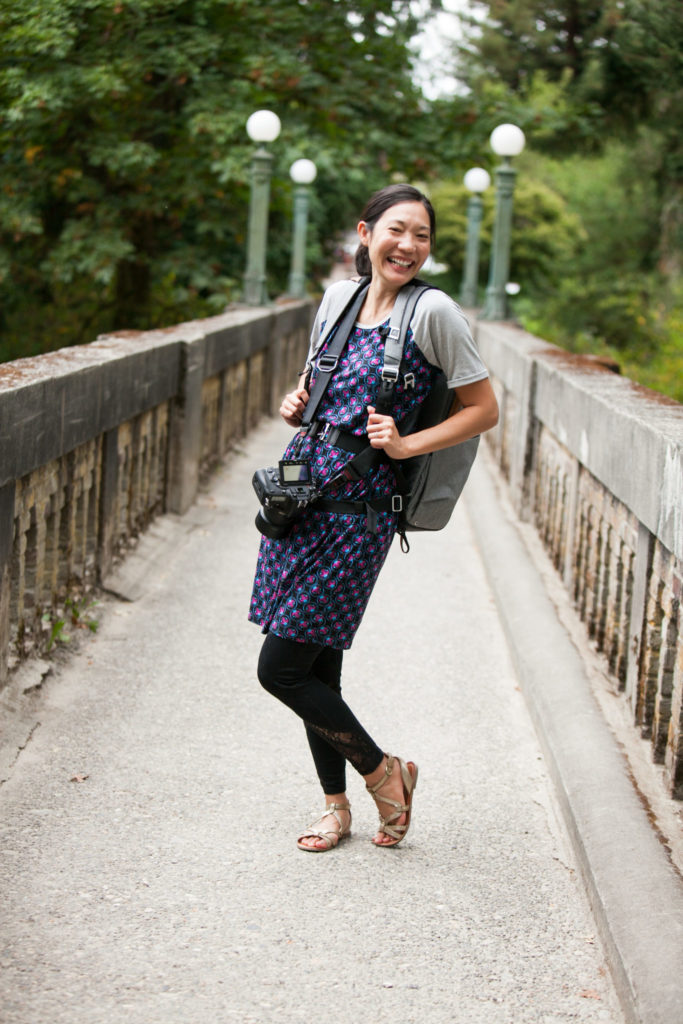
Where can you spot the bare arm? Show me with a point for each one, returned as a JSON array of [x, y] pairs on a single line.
[[477, 411], [294, 403]]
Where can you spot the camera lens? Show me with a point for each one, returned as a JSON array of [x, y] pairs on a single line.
[[273, 525]]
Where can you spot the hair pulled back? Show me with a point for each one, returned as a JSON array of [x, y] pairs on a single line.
[[378, 204]]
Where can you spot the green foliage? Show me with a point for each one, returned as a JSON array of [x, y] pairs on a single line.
[[124, 175], [76, 611], [519, 38], [598, 88], [638, 324], [545, 234], [56, 630]]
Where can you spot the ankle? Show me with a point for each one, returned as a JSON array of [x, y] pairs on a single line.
[[340, 799], [381, 772]]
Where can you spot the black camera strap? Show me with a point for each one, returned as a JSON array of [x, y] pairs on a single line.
[[335, 339]]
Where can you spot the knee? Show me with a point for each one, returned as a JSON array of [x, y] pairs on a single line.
[[266, 672], [275, 671]]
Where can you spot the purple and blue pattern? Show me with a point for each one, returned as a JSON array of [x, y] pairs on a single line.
[[313, 585]]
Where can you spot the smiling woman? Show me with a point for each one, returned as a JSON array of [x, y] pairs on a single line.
[[396, 233], [315, 574]]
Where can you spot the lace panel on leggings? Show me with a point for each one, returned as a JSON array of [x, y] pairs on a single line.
[[360, 751]]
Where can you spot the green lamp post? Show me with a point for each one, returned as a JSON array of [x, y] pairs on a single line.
[[476, 180], [263, 126], [302, 173], [507, 140]]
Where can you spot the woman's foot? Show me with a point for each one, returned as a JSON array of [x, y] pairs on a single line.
[[392, 786], [330, 828]]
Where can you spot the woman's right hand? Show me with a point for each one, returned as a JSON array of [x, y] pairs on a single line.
[[293, 405]]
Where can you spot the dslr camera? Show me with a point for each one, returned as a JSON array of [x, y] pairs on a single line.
[[284, 491]]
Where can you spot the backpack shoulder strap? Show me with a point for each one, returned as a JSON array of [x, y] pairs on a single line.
[[335, 317], [395, 340], [337, 336]]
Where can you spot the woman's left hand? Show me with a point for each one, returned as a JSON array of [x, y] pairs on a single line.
[[382, 433]]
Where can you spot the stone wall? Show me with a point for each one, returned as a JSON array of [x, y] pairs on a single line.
[[596, 463], [96, 441]]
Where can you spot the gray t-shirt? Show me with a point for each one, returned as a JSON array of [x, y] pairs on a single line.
[[439, 327]]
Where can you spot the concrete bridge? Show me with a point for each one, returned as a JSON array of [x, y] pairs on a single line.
[[160, 883]]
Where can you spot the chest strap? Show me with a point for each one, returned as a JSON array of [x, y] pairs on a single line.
[[337, 436], [370, 509]]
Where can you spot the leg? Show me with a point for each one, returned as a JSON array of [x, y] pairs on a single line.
[[286, 669], [329, 763], [307, 679]]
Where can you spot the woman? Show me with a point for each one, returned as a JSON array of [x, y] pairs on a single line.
[[311, 587]]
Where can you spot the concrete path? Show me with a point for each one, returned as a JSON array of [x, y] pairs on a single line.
[[149, 870]]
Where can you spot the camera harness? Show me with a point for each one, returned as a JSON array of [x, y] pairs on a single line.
[[365, 456]]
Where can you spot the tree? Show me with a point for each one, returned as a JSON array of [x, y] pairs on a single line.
[[124, 169], [545, 234], [518, 38], [640, 83]]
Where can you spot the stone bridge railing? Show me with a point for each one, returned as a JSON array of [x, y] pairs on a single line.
[[96, 441], [596, 463]]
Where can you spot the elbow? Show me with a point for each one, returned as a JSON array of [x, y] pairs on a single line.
[[491, 415]]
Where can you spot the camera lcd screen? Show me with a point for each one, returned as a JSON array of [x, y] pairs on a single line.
[[295, 472]]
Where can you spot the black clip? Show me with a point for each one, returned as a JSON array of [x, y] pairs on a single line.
[[390, 373]]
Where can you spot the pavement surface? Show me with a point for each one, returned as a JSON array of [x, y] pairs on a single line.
[[149, 866]]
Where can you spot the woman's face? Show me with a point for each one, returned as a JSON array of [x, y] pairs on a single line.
[[398, 244]]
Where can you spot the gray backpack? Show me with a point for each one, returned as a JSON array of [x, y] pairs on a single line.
[[431, 483]]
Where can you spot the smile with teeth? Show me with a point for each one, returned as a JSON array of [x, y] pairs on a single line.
[[399, 262]]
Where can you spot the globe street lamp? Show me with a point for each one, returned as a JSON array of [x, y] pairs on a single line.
[[476, 180], [507, 140], [263, 126], [302, 173]]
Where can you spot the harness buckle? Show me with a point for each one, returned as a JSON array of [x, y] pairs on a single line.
[[327, 363], [409, 380], [396, 502], [390, 373]]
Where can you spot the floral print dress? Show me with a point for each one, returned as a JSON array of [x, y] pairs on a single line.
[[313, 585]]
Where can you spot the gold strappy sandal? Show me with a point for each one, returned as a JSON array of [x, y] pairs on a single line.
[[330, 836], [388, 825]]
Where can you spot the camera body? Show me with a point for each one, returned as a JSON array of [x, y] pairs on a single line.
[[284, 491]]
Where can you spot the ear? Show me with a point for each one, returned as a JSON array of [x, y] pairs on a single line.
[[364, 233]]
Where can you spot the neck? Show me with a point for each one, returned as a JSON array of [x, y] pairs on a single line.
[[378, 301]]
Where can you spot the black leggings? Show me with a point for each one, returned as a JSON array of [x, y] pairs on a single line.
[[307, 678]]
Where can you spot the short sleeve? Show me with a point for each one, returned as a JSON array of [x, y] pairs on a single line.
[[333, 302], [442, 333]]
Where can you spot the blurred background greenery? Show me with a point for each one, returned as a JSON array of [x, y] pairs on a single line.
[[124, 160]]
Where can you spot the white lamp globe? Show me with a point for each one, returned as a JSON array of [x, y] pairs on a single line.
[[477, 179], [263, 126], [303, 172], [507, 140]]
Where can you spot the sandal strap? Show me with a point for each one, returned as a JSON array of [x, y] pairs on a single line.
[[388, 768], [330, 810], [387, 824]]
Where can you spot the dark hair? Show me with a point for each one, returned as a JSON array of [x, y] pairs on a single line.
[[378, 204]]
